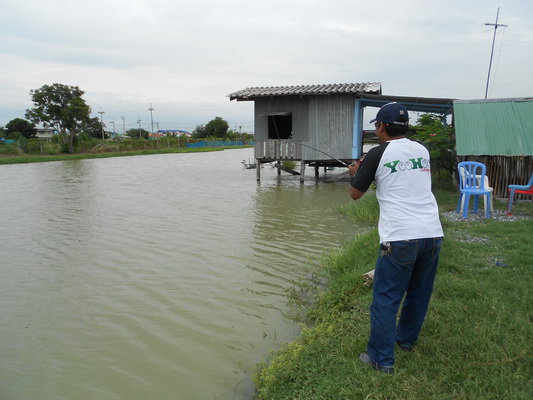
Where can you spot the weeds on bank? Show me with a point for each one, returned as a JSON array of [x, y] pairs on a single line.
[[365, 210], [476, 341]]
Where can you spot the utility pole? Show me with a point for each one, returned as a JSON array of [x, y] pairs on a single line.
[[151, 117], [123, 125], [495, 25], [139, 122], [113, 122], [102, 122]]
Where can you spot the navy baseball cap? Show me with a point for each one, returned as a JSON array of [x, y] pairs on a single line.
[[392, 113]]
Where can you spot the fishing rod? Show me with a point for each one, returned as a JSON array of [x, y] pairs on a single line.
[[320, 151], [326, 154], [310, 147]]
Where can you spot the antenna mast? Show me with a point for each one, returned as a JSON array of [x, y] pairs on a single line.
[[495, 25]]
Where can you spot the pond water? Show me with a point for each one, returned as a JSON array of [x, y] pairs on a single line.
[[153, 277]]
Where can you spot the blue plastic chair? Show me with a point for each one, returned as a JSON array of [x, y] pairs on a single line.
[[525, 189], [472, 183]]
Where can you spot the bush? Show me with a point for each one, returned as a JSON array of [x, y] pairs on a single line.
[[9, 149], [34, 146]]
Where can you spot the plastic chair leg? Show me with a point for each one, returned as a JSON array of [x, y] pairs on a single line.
[[485, 197], [476, 201], [510, 202], [487, 205], [465, 205], [460, 203]]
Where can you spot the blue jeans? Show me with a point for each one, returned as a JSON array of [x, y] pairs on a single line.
[[402, 268]]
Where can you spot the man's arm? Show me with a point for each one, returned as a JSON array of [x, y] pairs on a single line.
[[356, 194], [352, 170], [363, 171]]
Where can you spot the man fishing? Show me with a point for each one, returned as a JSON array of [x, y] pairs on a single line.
[[410, 235]]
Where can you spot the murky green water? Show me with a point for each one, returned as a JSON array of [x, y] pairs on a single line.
[[152, 277]]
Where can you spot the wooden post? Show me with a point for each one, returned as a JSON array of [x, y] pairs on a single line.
[[302, 171], [258, 170]]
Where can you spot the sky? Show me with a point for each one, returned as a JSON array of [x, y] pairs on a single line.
[[183, 58]]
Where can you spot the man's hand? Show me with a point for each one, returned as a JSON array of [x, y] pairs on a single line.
[[354, 167]]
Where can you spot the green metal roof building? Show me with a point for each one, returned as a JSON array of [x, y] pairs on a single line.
[[498, 133], [494, 127]]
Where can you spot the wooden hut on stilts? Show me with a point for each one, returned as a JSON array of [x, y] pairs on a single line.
[[319, 125]]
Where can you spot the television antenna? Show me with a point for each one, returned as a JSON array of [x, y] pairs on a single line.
[[495, 25]]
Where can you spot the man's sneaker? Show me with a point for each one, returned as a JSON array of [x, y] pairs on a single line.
[[365, 359], [405, 347]]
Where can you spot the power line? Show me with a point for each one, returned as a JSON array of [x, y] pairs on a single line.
[[495, 25]]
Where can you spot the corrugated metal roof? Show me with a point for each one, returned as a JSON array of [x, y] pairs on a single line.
[[306, 90], [494, 127], [436, 105]]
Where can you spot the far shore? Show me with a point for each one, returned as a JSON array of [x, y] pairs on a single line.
[[33, 158]]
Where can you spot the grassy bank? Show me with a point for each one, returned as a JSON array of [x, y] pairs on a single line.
[[475, 344], [32, 158]]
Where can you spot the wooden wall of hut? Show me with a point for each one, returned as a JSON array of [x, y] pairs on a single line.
[[504, 171]]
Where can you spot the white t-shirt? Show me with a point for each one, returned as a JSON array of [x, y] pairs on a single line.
[[402, 173]]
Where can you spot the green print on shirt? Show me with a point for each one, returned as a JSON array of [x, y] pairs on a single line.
[[412, 163]]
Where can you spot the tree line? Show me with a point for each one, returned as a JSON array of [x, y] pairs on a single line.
[[63, 109]]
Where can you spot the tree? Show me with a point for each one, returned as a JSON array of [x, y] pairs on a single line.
[[199, 132], [94, 128], [62, 108], [440, 140], [135, 133], [27, 129], [216, 128]]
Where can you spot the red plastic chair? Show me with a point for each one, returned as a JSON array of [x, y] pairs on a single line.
[[525, 189]]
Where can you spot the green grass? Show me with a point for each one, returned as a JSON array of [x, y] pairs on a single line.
[[476, 341], [366, 209]]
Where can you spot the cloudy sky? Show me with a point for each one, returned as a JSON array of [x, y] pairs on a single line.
[[185, 57]]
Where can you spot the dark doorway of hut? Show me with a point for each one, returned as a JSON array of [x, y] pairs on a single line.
[[280, 128]]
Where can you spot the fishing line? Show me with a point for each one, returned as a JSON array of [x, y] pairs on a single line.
[[326, 154], [314, 148], [304, 145]]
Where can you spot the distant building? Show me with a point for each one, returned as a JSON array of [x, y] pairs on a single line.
[[173, 132], [45, 133]]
